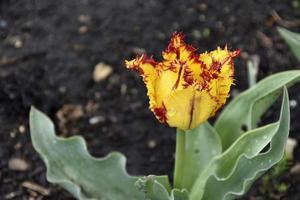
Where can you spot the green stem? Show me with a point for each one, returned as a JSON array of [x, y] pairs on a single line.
[[179, 158]]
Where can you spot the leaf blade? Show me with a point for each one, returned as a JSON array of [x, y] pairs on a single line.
[[248, 169], [69, 164], [236, 164], [292, 39], [248, 107], [202, 144]]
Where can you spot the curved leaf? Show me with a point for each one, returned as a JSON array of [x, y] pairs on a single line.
[[71, 166], [246, 109], [239, 166], [292, 39], [202, 144]]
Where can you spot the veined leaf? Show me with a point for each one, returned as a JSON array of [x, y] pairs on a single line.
[[246, 109], [292, 39], [71, 166], [240, 165]]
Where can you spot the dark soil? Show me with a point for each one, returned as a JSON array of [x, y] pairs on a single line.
[[48, 51]]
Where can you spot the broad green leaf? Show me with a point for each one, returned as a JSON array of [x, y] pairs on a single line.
[[232, 154], [292, 39], [202, 144], [71, 166], [240, 165], [154, 190], [246, 109]]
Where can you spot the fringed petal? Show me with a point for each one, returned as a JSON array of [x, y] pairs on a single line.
[[147, 69], [218, 73], [185, 89]]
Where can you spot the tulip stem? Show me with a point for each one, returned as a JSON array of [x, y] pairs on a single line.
[[179, 158]]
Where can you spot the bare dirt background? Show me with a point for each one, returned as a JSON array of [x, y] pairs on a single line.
[[48, 52]]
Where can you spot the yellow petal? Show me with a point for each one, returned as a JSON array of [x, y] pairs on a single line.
[[218, 73], [188, 108], [164, 85], [185, 88], [147, 69]]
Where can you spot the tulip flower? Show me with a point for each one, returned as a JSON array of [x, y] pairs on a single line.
[[186, 88]]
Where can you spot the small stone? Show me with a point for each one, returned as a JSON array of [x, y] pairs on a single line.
[[22, 129], [152, 144], [96, 120], [36, 188], [13, 134], [11, 195], [293, 103], [123, 89], [83, 30], [101, 72], [84, 18], [197, 34], [202, 7], [18, 44], [295, 169], [3, 24], [62, 89], [17, 164]]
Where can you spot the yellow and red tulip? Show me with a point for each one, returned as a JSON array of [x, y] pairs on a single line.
[[186, 88]]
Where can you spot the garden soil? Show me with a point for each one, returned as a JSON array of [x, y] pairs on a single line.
[[48, 54]]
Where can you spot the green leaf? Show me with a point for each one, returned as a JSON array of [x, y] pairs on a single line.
[[71, 166], [247, 108], [239, 166], [154, 190], [202, 144], [180, 194], [292, 39]]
